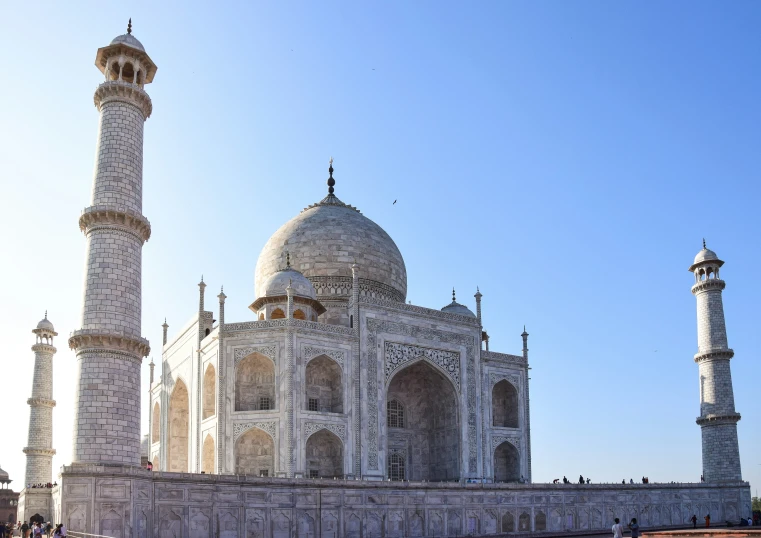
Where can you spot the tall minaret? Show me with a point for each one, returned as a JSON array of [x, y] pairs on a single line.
[[109, 346], [718, 418], [39, 448]]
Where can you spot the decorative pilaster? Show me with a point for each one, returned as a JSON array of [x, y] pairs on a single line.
[[109, 346], [478, 296], [718, 418], [289, 365], [524, 335], [221, 410], [201, 293], [357, 381]]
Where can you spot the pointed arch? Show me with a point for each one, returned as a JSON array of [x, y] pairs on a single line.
[[504, 403], [207, 459], [156, 423], [299, 314], [277, 314], [209, 392], [255, 383], [179, 425], [431, 418], [324, 387], [255, 453], [324, 455], [507, 467]]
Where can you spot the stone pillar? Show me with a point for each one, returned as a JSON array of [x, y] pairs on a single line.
[[289, 365], [39, 449], [524, 335], [357, 381], [109, 346], [718, 418]]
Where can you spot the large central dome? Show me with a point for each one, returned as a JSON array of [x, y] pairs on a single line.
[[324, 240]]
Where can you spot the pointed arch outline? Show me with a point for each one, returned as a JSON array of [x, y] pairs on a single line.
[[270, 427], [243, 353], [310, 353], [513, 379], [439, 369], [310, 428]]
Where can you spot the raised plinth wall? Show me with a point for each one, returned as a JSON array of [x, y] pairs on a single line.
[[126, 501]]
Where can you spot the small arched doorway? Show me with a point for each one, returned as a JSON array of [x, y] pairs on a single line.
[[207, 458], [255, 454], [155, 423], [324, 391], [255, 383], [506, 463], [504, 405], [422, 422], [209, 392], [324, 455], [178, 429]]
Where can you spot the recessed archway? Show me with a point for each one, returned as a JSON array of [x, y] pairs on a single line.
[[504, 405], [255, 384], [178, 429], [324, 391], [430, 433], [324, 455], [207, 459], [155, 423], [209, 392], [507, 467], [255, 454]]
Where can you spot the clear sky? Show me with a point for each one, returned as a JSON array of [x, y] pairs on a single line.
[[566, 157]]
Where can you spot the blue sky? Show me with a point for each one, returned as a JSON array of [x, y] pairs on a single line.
[[566, 157]]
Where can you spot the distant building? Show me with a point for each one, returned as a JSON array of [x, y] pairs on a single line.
[[8, 499]]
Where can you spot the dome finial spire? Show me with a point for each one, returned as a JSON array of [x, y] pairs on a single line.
[[704, 243], [129, 26], [454, 300], [331, 181], [287, 259], [46, 314]]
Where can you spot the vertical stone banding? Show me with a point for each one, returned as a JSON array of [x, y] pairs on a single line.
[[109, 345]]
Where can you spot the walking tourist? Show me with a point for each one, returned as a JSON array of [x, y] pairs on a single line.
[[618, 529], [694, 520], [634, 527], [581, 479], [48, 529], [708, 520], [589, 480], [24, 530]]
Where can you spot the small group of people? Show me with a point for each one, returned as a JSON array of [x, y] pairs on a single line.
[[618, 528], [32, 530], [40, 486], [566, 481]]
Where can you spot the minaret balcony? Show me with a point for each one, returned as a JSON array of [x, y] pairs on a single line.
[[43, 348], [105, 216], [133, 347], [41, 402], [718, 354], [710, 284], [119, 90], [732, 418]]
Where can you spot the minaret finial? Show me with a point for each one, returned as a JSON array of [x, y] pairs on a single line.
[[453, 296], [704, 243], [46, 314], [331, 181], [129, 26]]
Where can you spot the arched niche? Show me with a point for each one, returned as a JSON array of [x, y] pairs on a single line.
[[504, 405], [431, 418], [179, 421], [255, 383], [156, 423], [277, 314], [299, 314], [540, 521], [207, 457], [507, 467], [209, 392], [324, 389], [324, 455], [255, 453]]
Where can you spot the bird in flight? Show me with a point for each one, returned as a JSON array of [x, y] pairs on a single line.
[[394, 202]]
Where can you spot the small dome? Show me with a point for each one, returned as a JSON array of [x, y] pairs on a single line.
[[45, 324], [705, 255], [456, 308], [276, 283], [4, 476], [129, 40]]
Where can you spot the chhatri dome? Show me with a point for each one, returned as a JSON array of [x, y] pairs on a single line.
[[456, 308], [325, 240], [46, 324], [276, 284], [706, 255]]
